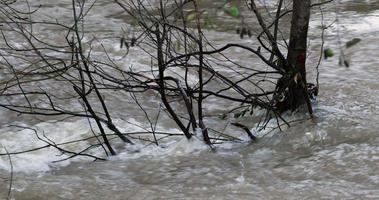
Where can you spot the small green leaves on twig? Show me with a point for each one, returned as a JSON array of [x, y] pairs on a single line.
[[178, 45], [208, 22], [244, 31], [192, 15]]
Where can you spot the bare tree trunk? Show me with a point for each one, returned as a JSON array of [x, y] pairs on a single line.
[[297, 53]]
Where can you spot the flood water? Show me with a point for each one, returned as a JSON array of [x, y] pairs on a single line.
[[333, 156]]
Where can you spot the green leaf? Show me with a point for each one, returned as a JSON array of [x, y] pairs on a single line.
[[328, 52], [207, 22], [352, 42], [191, 16], [178, 45], [233, 11]]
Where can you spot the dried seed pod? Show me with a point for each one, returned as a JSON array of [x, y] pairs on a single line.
[[122, 39], [244, 30], [133, 41]]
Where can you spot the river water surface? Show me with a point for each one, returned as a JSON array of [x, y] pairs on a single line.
[[334, 156]]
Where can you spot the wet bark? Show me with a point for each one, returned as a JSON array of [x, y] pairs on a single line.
[[298, 36], [297, 94]]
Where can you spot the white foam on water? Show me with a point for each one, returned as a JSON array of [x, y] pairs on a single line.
[[367, 24], [179, 147], [17, 140], [41, 160]]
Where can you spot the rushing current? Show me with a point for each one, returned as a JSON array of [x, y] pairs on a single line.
[[333, 156]]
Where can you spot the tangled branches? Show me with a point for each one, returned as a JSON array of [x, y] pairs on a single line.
[[72, 75]]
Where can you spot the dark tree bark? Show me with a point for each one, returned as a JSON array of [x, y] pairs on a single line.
[[297, 52], [298, 38]]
